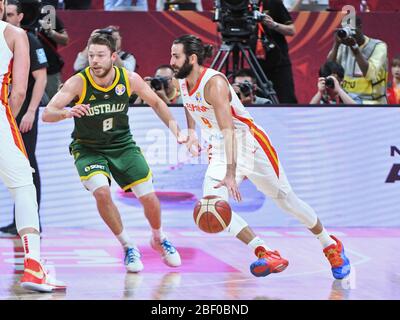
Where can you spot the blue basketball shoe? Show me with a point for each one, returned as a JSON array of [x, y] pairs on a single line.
[[338, 260]]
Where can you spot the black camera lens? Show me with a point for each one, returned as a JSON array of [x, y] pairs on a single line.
[[345, 32], [245, 88], [329, 83], [156, 83], [342, 33]]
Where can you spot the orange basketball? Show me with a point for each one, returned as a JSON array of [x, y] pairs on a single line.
[[212, 214]]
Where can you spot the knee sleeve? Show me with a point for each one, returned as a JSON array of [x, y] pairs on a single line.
[[143, 188], [297, 208], [26, 208], [209, 190], [95, 182], [237, 224]]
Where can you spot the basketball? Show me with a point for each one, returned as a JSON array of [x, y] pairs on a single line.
[[212, 214]]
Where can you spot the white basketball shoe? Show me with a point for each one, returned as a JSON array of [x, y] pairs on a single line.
[[168, 252]]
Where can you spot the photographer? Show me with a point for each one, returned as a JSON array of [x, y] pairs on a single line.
[[124, 59], [329, 86], [51, 39], [365, 64], [272, 49], [244, 84], [164, 85]]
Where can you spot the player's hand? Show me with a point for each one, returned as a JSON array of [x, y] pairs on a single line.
[[78, 111], [182, 138], [193, 145], [230, 183], [27, 121]]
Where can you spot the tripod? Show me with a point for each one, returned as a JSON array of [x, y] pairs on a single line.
[[241, 52]]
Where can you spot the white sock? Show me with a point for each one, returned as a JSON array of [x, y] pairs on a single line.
[[325, 239], [31, 244], [158, 234], [125, 240], [257, 242]]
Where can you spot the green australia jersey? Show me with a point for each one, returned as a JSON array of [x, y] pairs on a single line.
[[107, 122]]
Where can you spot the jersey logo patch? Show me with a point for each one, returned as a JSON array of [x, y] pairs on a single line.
[[120, 89], [198, 97], [92, 98]]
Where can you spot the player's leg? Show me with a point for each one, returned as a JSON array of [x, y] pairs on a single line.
[[131, 171], [95, 175], [241, 230], [16, 173], [151, 206], [274, 183], [98, 185]]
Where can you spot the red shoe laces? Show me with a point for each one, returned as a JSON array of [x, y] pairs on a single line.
[[334, 257]]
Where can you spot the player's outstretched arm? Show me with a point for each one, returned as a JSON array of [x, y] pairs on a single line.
[[19, 44], [142, 89], [193, 143], [218, 95], [55, 110]]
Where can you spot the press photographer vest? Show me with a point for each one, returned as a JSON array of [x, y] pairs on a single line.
[[356, 84]]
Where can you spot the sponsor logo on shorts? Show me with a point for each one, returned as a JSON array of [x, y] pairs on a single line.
[[120, 89], [94, 166]]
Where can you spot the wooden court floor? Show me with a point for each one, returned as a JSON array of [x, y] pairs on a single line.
[[214, 266]]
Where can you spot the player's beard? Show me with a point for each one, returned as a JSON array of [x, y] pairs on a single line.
[[106, 69], [184, 71]]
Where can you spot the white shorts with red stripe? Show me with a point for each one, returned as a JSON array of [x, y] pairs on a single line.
[[256, 161], [15, 170]]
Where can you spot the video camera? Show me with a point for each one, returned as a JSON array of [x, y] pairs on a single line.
[[159, 83], [237, 19], [345, 32]]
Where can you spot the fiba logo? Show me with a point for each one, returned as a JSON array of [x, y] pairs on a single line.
[[120, 89], [198, 97], [394, 174]]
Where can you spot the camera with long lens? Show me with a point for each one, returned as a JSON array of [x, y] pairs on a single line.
[[329, 83], [345, 32], [158, 83], [246, 88], [237, 19]]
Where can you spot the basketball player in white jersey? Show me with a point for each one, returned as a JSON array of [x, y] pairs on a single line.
[[240, 148], [15, 170]]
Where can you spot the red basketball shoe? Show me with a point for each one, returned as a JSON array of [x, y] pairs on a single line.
[[37, 278], [268, 262]]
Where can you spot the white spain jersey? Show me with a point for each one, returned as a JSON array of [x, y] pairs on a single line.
[[6, 57], [204, 115], [15, 170]]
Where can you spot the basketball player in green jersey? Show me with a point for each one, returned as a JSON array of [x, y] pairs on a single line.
[[102, 142]]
